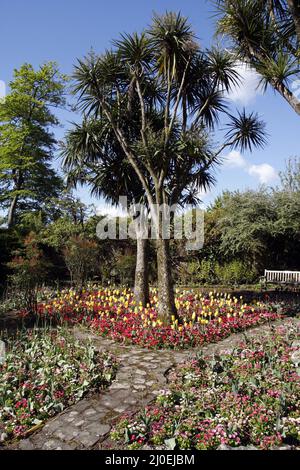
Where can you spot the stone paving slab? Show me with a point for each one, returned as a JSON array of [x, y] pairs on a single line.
[[141, 375]]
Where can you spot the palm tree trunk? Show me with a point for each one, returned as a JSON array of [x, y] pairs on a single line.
[[141, 283], [287, 95], [166, 299], [279, 86]]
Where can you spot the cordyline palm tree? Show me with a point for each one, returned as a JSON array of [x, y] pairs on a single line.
[[266, 35], [173, 90], [93, 156]]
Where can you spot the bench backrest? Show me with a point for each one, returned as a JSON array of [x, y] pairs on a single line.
[[282, 276]]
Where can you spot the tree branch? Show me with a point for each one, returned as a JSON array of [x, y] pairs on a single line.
[[128, 153], [143, 113], [279, 86], [179, 94]]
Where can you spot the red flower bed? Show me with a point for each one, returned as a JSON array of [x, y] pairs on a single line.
[[114, 313]]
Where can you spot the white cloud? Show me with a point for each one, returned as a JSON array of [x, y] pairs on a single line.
[[265, 172], [235, 160], [248, 88]]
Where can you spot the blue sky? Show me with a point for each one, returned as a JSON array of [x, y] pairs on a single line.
[[36, 31]]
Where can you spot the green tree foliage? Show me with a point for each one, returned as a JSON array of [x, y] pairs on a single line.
[[260, 228], [247, 232], [9, 242], [69, 217], [246, 224], [81, 258], [29, 269], [290, 177], [266, 35], [174, 91], [124, 267], [67, 239], [27, 179], [235, 272]]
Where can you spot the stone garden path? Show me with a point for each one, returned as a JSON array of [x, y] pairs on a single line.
[[141, 375]]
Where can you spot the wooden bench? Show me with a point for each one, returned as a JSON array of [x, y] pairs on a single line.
[[281, 277]]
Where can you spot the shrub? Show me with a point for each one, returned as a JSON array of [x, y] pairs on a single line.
[[198, 272], [80, 256], [30, 268], [235, 272], [9, 242], [207, 272], [124, 268]]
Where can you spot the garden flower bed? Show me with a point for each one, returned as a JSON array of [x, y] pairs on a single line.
[[114, 313], [44, 372], [250, 396]]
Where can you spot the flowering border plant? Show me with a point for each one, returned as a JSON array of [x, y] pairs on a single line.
[[250, 396], [43, 373], [114, 313]]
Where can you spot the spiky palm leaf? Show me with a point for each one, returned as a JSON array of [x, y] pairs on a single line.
[[246, 131], [222, 69], [277, 69], [209, 105], [135, 50], [244, 21], [134, 91], [263, 33], [173, 41], [93, 156]]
